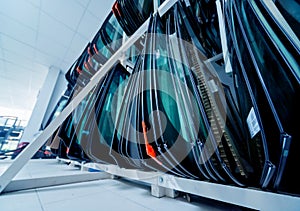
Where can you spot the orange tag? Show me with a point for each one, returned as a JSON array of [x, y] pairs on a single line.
[[149, 149]]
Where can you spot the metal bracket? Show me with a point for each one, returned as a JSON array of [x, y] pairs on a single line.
[[158, 191], [214, 58]]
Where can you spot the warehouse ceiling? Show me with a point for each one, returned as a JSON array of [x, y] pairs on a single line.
[[37, 34]]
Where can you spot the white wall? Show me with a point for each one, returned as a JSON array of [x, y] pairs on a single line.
[[41, 105]]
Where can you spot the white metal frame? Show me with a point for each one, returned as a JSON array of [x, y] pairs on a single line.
[[162, 184], [167, 185]]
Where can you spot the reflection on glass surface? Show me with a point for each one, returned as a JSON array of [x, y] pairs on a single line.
[[202, 18], [290, 10], [96, 126], [107, 41], [132, 14]]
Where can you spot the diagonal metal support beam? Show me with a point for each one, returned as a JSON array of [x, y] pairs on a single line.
[[32, 148]]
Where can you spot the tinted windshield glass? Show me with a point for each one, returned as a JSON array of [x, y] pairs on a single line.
[[113, 33], [290, 10], [273, 65]]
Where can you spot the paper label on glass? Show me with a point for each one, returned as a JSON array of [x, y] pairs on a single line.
[[252, 123]]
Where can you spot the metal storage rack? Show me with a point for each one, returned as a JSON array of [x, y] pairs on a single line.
[[161, 184]]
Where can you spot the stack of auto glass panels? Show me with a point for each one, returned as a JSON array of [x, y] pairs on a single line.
[[170, 109]]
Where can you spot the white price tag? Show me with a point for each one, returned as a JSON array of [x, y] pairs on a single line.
[[252, 123]]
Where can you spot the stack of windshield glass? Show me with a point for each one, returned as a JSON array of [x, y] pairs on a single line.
[[264, 51]]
